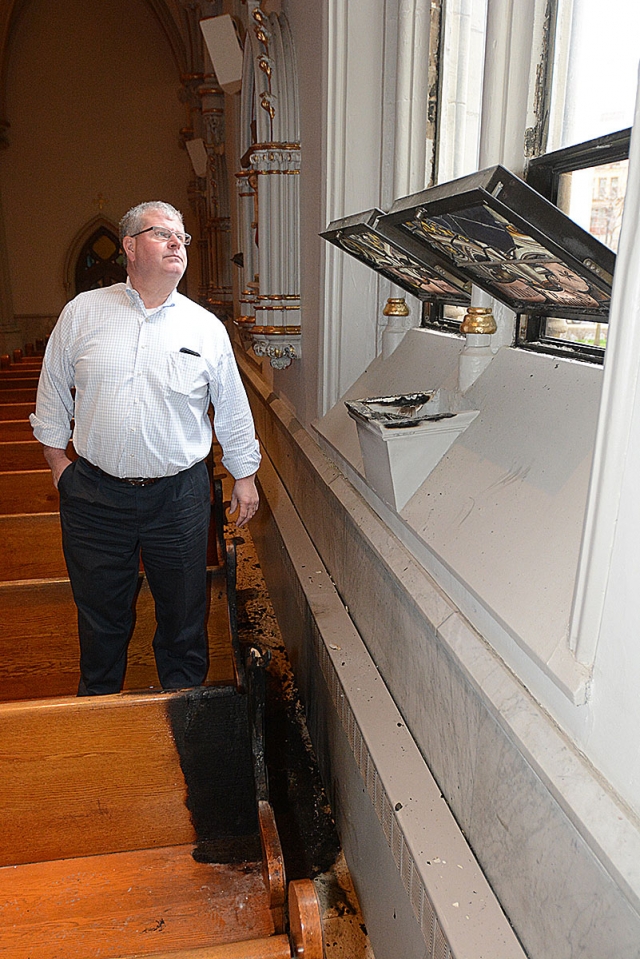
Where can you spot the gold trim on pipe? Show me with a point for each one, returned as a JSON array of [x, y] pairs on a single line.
[[278, 296], [277, 330], [478, 319], [278, 307]]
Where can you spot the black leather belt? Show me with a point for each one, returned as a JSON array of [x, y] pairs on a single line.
[[128, 480]]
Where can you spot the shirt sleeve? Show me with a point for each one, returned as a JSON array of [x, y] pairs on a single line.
[[232, 419], [51, 421]]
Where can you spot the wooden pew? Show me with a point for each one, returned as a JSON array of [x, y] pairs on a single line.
[[39, 651], [24, 454], [10, 382], [135, 824], [10, 376], [15, 430], [27, 491], [26, 395], [132, 826], [16, 410], [31, 547]]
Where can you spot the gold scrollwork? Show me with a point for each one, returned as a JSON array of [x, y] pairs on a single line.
[[266, 104], [255, 147], [266, 65]]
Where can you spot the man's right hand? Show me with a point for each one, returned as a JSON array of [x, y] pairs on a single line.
[[58, 462]]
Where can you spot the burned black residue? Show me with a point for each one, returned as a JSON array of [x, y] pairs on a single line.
[[303, 814], [212, 735]]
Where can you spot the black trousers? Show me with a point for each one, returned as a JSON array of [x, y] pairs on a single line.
[[106, 526]]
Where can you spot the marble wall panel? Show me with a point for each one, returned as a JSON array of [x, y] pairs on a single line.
[[542, 870]]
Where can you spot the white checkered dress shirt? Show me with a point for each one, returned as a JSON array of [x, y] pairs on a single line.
[[141, 405]]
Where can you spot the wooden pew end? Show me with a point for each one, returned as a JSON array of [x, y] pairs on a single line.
[[305, 925]]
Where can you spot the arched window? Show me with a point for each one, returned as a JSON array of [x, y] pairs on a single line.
[[100, 262]]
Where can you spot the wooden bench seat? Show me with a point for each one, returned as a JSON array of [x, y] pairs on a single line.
[[39, 640], [130, 903]]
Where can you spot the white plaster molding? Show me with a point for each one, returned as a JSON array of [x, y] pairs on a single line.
[[613, 437], [334, 122]]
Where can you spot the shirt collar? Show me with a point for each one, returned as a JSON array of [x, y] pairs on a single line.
[[136, 299]]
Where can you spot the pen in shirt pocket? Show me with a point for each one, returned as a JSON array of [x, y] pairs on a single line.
[[190, 352]]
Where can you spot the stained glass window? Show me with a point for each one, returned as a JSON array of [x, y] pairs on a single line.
[[101, 262]]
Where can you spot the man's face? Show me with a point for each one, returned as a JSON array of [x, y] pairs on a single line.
[[152, 260]]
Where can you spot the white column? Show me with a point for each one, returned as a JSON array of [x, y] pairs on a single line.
[[507, 69], [412, 93]]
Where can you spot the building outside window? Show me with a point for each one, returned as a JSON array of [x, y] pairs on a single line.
[[593, 90]]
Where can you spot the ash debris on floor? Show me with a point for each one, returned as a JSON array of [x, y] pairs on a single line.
[[307, 831]]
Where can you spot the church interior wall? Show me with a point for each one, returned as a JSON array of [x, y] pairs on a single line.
[[95, 121]]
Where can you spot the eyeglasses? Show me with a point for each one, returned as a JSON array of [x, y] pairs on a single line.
[[161, 234]]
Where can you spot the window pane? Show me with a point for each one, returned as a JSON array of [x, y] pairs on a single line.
[[594, 198], [602, 69], [581, 332]]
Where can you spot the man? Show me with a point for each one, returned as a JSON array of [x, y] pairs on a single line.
[[145, 362]]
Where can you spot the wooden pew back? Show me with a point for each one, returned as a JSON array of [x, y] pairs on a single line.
[[21, 454], [11, 382], [31, 547], [16, 395], [15, 410], [97, 775], [15, 430], [89, 776], [29, 491]]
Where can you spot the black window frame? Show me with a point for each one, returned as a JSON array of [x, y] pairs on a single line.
[[543, 174]]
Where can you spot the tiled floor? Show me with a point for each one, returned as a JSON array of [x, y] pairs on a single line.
[[296, 791]]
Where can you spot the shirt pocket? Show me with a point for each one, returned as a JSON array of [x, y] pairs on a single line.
[[187, 375]]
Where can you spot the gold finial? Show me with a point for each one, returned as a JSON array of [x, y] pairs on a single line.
[[396, 306], [100, 201], [478, 319]]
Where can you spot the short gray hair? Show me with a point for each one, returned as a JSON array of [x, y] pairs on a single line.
[[131, 222]]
